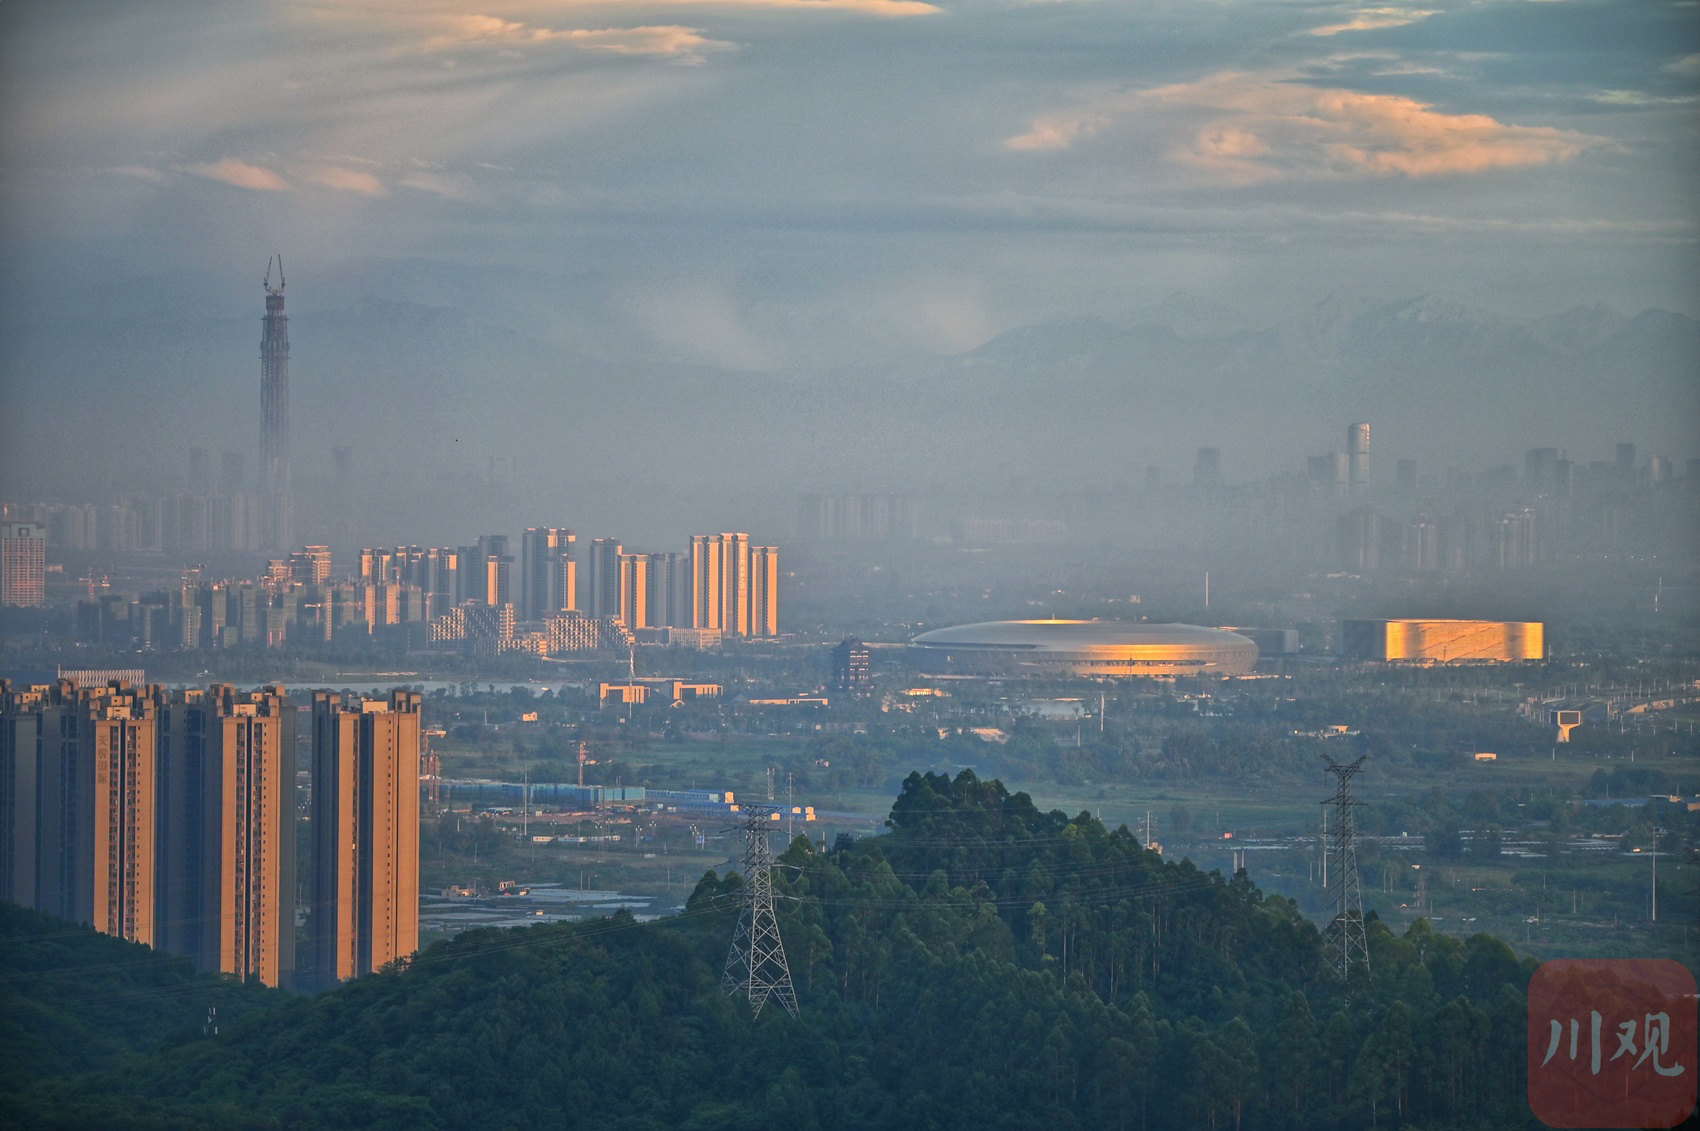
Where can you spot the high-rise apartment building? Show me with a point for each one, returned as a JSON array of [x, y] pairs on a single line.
[[95, 808], [166, 818], [23, 563], [20, 757], [602, 578], [734, 586], [635, 609], [276, 501], [310, 565], [708, 573], [548, 574], [226, 819], [764, 591], [654, 591], [365, 814]]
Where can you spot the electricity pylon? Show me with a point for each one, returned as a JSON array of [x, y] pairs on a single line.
[[756, 966], [1345, 943]]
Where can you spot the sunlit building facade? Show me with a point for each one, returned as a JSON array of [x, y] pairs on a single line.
[[365, 818], [1082, 649], [1442, 641]]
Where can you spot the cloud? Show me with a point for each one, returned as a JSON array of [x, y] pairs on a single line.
[[141, 173], [349, 180], [866, 7], [1371, 19], [682, 43], [449, 186], [1635, 98], [230, 171], [1687, 66], [1244, 128]]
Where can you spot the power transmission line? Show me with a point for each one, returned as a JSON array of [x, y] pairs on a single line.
[[1345, 944], [755, 965]]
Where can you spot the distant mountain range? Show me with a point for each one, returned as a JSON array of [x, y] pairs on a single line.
[[456, 367]]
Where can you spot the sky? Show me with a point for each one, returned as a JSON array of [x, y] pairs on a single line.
[[781, 186]]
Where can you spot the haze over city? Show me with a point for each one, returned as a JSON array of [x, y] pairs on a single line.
[[665, 264]]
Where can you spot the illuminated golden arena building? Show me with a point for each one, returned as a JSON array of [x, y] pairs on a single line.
[[1082, 648], [1442, 641]]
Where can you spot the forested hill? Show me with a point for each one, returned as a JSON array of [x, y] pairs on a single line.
[[984, 965]]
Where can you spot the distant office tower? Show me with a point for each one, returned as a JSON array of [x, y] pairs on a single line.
[[226, 817], [852, 668], [1516, 540], [1207, 469], [548, 574], [1364, 540], [1422, 543], [95, 809], [1357, 456], [365, 814], [276, 504], [1625, 464], [1540, 469], [1658, 469], [23, 563]]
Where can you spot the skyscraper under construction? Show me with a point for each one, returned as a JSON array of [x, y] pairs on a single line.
[[276, 504]]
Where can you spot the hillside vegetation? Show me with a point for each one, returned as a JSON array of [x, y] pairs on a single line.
[[984, 965]]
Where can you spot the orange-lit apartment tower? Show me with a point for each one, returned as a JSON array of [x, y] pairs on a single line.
[[733, 585], [636, 581], [365, 813], [227, 831], [708, 573], [96, 837], [276, 528]]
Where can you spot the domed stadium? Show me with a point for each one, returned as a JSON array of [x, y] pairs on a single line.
[[1082, 648]]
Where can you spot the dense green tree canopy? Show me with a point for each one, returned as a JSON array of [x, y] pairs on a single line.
[[986, 964]]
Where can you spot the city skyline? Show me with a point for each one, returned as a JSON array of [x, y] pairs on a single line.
[[971, 243]]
